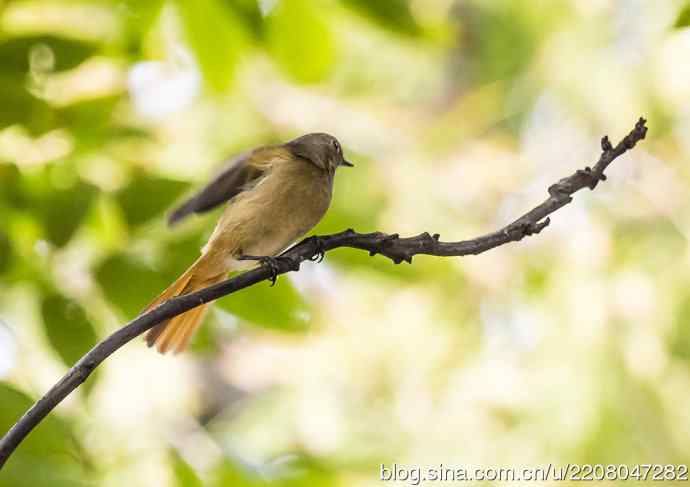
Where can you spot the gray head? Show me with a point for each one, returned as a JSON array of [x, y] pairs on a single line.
[[322, 150]]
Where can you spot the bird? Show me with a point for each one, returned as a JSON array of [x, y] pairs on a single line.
[[275, 195]]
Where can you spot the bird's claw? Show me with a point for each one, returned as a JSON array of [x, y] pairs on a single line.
[[272, 263], [320, 251]]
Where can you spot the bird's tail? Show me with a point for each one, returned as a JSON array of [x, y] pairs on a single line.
[[175, 333]]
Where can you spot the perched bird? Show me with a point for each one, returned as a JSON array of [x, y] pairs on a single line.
[[275, 195]]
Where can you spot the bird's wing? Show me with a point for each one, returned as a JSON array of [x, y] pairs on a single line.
[[239, 174]]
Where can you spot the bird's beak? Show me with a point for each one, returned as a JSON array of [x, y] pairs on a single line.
[[346, 163]]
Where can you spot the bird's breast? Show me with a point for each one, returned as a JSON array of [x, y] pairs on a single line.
[[275, 213], [300, 203]]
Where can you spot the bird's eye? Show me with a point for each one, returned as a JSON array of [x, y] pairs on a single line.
[[337, 147]]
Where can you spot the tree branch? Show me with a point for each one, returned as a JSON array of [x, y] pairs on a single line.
[[390, 245]]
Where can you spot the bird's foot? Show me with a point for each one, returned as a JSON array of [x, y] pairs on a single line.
[[272, 263], [320, 249]]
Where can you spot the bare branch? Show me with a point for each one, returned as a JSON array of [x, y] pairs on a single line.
[[390, 245]]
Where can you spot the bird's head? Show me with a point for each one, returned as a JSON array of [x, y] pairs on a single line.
[[322, 150]]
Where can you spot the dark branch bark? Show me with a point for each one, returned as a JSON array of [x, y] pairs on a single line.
[[390, 245]]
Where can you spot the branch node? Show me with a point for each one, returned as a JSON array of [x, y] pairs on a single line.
[[429, 239], [526, 228], [539, 226], [590, 176], [530, 229], [639, 133], [606, 144], [558, 190]]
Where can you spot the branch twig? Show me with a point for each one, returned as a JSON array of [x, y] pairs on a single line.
[[390, 245]]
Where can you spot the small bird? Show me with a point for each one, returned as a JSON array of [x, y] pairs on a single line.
[[275, 195]]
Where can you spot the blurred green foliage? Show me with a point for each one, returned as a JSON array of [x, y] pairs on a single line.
[[50, 456], [91, 160], [216, 36], [16, 53], [185, 476], [680, 334], [20, 105], [127, 282], [67, 327], [281, 307], [300, 40], [394, 14], [683, 19], [147, 197]]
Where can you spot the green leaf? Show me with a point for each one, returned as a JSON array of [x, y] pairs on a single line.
[[89, 114], [138, 16], [18, 105], [301, 471], [680, 335], [57, 199], [129, 284], [13, 404], [249, 12], [15, 53], [300, 40], [279, 307], [47, 456], [6, 252], [67, 327], [21, 107], [147, 197], [307, 471], [180, 252], [228, 473], [93, 124], [11, 194], [61, 211], [185, 476], [499, 40], [216, 36], [394, 15], [683, 19]]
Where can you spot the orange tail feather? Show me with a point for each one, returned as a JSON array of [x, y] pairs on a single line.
[[175, 333]]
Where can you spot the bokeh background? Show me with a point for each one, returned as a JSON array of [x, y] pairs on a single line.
[[570, 346]]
